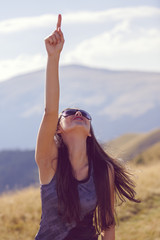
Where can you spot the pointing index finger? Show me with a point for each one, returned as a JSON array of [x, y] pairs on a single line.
[[59, 21]]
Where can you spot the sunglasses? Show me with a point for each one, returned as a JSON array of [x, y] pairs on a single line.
[[69, 112]]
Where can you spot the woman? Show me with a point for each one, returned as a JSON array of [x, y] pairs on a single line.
[[78, 179]]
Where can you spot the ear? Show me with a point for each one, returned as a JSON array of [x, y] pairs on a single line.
[[89, 134], [58, 131]]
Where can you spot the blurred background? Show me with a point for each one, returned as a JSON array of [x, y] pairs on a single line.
[[110, 66]]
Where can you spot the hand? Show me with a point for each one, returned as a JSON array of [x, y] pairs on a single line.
[[54, 43]]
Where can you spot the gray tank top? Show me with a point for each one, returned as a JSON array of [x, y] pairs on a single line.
[[51, 226]]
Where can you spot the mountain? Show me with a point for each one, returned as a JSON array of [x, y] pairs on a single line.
[[119, 102]]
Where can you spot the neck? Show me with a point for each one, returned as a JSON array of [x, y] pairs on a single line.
[[77, 149]]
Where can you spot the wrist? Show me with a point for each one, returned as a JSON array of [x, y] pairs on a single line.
[[54, 57]]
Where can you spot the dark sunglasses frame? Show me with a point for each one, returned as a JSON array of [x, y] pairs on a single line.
[[72, 111]]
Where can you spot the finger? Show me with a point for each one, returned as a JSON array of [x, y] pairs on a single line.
[[51, 40], [54, 40], [61, 34], [57, 35], [48, 40], [59, 21]]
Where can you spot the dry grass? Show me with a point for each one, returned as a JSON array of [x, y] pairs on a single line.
[[20, 211], [20, 214], [141, 221]]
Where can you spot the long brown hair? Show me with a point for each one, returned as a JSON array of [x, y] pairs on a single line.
[[67, 191]]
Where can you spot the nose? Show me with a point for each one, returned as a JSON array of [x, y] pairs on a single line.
[[78, 113]]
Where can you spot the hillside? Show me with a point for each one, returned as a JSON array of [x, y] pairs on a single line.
[[20, 211], [149, 156], [128, 146]]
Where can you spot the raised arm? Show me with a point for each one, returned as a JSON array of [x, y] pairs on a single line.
[[54, 45], [46, 150]]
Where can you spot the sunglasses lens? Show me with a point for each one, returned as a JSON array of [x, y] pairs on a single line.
[[69, 112], [85, 114]]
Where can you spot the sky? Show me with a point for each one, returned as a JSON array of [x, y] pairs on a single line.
[[117, 34]]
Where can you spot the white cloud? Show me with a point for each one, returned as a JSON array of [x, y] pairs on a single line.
[[26, 23], [114, 14], [21, 64], [120, 48], [119, 43], [83, 17]]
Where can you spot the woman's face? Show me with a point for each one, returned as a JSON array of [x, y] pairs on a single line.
[[74, 123]]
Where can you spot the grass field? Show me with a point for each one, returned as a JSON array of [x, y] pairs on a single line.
[[20, 211], [141, 221]]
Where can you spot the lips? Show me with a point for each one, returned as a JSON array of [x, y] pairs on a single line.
[[78, 118]]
